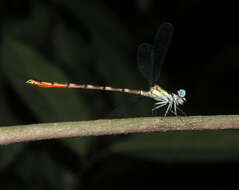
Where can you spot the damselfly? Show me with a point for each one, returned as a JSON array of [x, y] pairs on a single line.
[[150, 59]]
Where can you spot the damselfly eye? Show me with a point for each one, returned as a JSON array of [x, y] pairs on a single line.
[[182, 93]]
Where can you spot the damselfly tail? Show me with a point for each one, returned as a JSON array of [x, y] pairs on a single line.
[[83, 86]]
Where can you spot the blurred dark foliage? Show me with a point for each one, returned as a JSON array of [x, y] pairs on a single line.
[[95, 42]]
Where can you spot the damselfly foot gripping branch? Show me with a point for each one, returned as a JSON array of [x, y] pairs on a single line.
[[150, 59]]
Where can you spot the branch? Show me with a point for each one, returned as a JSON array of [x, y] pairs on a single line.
[[34, 132]]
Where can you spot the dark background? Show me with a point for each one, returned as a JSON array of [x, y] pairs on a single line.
[[95, 42]]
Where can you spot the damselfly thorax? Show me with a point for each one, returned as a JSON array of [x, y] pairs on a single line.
[[149, 58]]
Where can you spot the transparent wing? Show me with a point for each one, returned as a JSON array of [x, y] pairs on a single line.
[[145, 61], [160, 48]]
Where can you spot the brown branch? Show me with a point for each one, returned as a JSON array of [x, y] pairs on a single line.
[[33, 132]]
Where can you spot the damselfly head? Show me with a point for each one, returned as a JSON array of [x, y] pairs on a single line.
[[182, 93], [181, 96]]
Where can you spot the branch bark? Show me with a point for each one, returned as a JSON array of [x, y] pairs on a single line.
[[21, 133]]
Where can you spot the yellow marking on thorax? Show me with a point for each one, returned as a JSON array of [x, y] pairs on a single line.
[[158, 91]]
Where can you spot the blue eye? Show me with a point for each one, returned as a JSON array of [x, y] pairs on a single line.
[[182, 93]]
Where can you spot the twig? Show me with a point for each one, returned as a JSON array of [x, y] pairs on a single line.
[[34, 132]]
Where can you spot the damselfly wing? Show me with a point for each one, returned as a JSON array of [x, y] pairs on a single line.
[[150, 58]]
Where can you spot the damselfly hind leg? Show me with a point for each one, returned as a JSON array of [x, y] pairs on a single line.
[[159, 105], [169, 108]]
